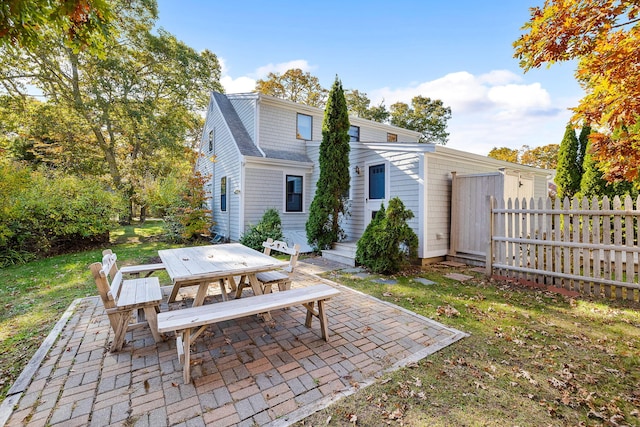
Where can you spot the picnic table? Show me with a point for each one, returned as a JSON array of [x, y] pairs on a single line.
[[203, 265]]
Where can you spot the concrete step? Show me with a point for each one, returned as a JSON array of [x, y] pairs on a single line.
[[344, 253], [339, 257]]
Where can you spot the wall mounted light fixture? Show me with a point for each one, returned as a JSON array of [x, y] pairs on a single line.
[[357, 170]]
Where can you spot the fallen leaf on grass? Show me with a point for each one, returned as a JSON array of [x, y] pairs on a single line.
[[556, 383], [396, 414], [447, 310], [480, 385]]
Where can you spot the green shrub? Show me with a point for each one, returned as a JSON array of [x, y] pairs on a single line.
[[269, 226], [388, 243], [45, 213]]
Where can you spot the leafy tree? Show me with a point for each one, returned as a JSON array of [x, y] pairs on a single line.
[[360, 105], [544, 157], [138, 105], [604, 37], [270, 226], [388, 243], [427, 116], [332, 189], [294, 85], [190, 220], [47, 134], [504, 153], [569, 171], [84, 24]]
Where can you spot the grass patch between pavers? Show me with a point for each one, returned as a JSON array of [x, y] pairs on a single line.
[[533, 358]]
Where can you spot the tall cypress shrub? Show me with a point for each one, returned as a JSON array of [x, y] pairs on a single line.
[[593, 183], [569, 172], [332, 189]]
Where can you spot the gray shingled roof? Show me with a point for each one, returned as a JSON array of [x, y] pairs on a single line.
[[286, 155], [238, 131]]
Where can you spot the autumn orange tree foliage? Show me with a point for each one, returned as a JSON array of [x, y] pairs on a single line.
[[604, 36]]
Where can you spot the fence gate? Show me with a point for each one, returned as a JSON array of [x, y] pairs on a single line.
[[470, 207]]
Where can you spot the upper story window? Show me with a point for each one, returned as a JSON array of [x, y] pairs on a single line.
[[304, 125], [211, 140], [354, 133], [223, 194], [392, 137], [294, 194]]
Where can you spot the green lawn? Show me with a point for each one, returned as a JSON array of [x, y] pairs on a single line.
[[533, 358], [35, 295]]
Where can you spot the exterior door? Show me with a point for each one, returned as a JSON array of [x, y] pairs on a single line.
[[376, 190]]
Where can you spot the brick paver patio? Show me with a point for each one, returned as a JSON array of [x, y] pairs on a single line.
[[245, 372]]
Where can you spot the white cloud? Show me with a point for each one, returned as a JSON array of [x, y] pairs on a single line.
[[248, 83], [282, 67], [240, 85], [495, 109], [520, 97]]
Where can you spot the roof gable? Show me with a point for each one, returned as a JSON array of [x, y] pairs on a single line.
[[238, 132]]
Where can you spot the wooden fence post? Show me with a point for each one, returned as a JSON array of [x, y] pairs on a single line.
[[489, 255]]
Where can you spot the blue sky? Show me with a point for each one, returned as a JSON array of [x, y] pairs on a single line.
[[460, 52]]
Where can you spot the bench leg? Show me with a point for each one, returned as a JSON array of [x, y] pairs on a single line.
[[152, 318], [284, 285], [322, 316], [223, 290], [121, 322], [186, 346], [174, 292]]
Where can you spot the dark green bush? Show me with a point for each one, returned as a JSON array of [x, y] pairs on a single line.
[[388, 243], [44, 213], [269, 226]]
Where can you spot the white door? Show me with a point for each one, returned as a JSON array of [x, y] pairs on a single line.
[[376, 188]]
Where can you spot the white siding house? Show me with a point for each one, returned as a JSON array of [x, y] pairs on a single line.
[[266, 150]]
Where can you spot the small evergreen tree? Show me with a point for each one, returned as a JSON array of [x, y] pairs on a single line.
[[583, 142], [388, 243], [270, 226], [332, 189], [569, 171], [593, 183]]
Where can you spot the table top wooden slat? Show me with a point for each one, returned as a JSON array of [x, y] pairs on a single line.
[[196, 263]]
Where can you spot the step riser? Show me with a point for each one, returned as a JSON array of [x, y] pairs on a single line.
[[338, 257]]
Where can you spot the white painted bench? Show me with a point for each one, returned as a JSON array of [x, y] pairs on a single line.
[[189, 323]]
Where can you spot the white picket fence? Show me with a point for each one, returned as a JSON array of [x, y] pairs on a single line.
[[586, 246]]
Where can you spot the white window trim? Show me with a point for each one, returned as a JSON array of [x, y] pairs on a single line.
[[284, 192]]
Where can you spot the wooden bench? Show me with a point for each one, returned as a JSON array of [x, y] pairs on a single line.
[[189, 323], [130, 303], [108, 257], [282, 278]]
